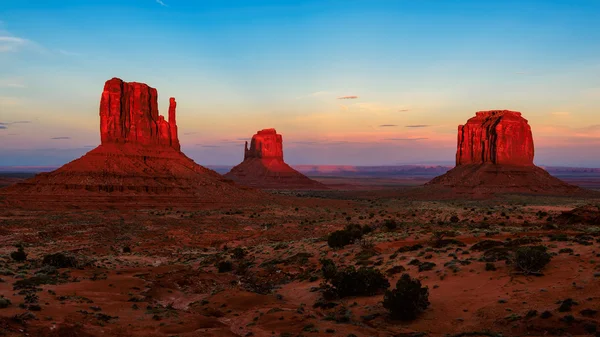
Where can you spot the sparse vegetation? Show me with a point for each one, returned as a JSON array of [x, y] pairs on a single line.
[[531, 260], [408, 300]]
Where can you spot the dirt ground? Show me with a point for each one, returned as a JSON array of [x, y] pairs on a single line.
[[177, 272]]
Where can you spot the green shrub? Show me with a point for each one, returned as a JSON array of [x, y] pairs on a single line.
[[408, 300], [238, 253], [362, 282], [531, 260], [390, 224], [224, 266], [19, 255], [328, 268], [60, 260]]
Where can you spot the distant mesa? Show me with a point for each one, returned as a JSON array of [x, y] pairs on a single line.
[[263, 165], [494, 155], [138, 164]]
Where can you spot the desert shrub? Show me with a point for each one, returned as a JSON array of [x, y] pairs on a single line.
[[489, 266], [408, 300], [362, 282], [224, 266], [339, 239], [328, 268], [454, 219], [19, 255], [126, 249], [238, 253], [390, 224], [4, 303], [60, 260], [350, 234], [531, 260]]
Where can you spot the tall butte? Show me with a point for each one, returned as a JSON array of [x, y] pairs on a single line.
[[494, 155], [138, 164], [263, 165]]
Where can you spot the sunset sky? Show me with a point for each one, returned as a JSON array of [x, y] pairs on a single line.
[[419, 68]]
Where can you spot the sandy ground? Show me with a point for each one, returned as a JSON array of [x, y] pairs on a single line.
[[154, 272]]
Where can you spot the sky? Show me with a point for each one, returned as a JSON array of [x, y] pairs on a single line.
[[417, 69]]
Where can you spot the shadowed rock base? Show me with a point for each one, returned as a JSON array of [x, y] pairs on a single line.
[[128, 175], [491, 179], [271, 173], [263, 165]]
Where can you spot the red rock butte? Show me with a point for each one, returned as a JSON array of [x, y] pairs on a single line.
[[129, 114], [495, 155], [500, 137], [263, 165], [138, 164]]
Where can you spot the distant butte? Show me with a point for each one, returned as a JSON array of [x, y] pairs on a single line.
[[264, 167], [138, 164], [495, 155]]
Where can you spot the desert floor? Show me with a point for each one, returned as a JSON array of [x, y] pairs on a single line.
[[155, 272]]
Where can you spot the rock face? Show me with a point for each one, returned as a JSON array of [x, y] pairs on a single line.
[[138, 164], [263, 165], [129, 114], [265, 144], [500, 137], [495, 155]]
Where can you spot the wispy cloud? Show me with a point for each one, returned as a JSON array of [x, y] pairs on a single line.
[[403, 110], [3, 127], [406, 139], [387, 125], [209, 146], [11, 83], [418, 126], [10, 43], [161, 3], [60, 138], [315, 94], [190, 133], [561, 113], [9, 101], [348, 97], [67, 53]]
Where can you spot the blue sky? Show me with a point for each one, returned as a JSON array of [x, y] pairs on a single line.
[[239, 66]]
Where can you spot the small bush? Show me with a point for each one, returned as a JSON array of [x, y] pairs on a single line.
[[328, 269], [390, 224], [126, 249], [224, 266], [19, 255], [531, 260], [238, 253], [60, 260], [339, 239], [408, 300], [350, 234], [362, 282], [4, 303]]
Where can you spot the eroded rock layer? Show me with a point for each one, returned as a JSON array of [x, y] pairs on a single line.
[[497, 137], [129, 114], [263, 165]]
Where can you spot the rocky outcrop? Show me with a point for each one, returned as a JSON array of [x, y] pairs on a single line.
[[500, 137], [129, 114], [495, 155], [263, 165], [138, 164], [265, 144]]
